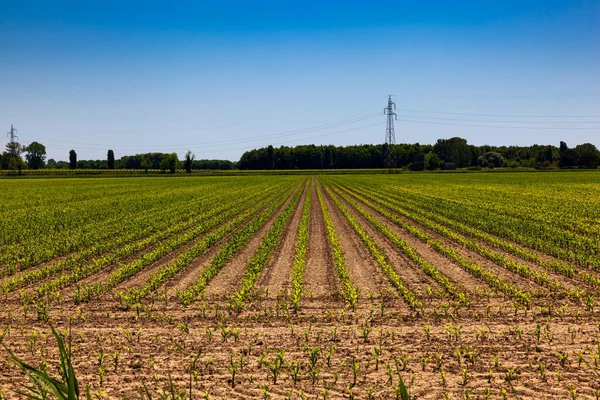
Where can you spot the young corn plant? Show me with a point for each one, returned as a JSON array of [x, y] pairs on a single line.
[[42, 384]]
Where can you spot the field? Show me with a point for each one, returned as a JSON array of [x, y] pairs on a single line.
[[462, 286]]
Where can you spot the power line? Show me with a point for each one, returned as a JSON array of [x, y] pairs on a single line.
[[526, 96], [223, 143], [277, 143], [503, 121], [502, 115], [497, 126]]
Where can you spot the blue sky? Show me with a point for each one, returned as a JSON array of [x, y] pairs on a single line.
[[222, 77]]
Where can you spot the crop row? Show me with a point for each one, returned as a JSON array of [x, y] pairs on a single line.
[[301, 248], [378, 255], [235, 243], [92, 259], [75, 224], [170, 269], [429, 269], [262, 254], [541, 278], [469, 266], [545, 237], [119, 233], [125, 271], [350, 292], [426, 219]]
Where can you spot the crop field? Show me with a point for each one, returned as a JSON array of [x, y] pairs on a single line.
[[460, 286]]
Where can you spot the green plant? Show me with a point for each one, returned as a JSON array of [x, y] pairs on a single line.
[[42, 384]]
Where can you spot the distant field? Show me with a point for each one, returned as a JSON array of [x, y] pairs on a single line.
[[293, 286]]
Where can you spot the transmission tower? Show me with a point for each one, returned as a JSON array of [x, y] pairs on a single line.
[[12, 134], [390, 137]]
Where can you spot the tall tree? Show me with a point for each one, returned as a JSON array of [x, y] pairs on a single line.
[[36, 154], [270, 157], [14, 149], [110, 157], [72, 159], [11, 158], [189, 159]]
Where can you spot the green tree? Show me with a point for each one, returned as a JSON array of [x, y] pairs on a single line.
[[491, 159], [432, 161], [170, 162], [145, 164], [110, 158], [72, 159], [567, 157], [189, 159], [36, 154], [13, 149], [587, 155], [16, 164], [11, 158], [454, 150]]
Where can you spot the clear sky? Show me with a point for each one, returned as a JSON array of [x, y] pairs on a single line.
[[220, 77]]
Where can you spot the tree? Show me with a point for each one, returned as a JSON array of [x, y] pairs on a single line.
[[491, 159], [145, 164], [189, 159], [567, 157], [36, 154], [11, 158], [16, 163], [170, 162], [432, 161], [110, 157], [587, 155], [14, 149], [270, 157], [454, 150], [72, 159]]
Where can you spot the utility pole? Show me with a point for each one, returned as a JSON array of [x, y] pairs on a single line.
[[12, 133], [390, 137]]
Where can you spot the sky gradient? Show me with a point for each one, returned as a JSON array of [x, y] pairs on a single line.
[[219, 78]]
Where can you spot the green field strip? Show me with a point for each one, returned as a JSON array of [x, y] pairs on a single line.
[[33, 251], [541, 278], [103, 254], [541, 237], [125, 271]]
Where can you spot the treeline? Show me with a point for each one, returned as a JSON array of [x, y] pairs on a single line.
[[444, 154], [35, 158]]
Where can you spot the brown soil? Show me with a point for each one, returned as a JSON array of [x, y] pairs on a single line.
[[320, 277]]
